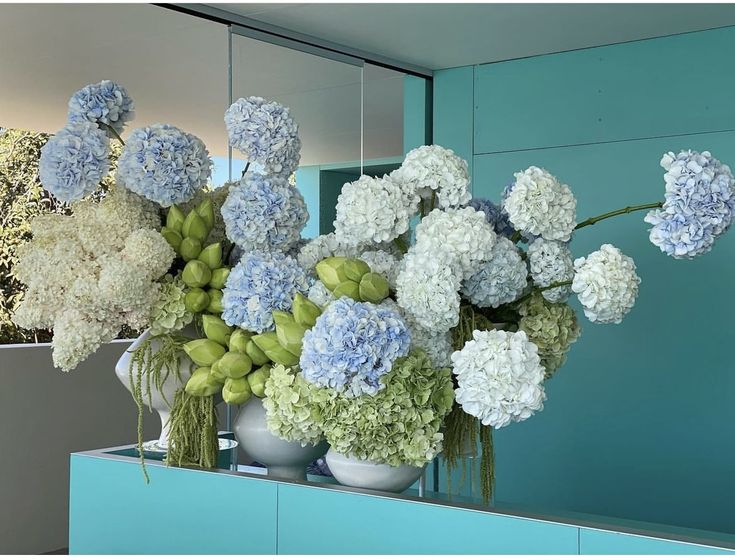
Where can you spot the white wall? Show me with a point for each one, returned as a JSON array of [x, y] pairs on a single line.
[[45, 415]]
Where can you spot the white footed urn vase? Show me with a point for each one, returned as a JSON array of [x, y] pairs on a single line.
[[283, 458], [160, 400], [350, 471]]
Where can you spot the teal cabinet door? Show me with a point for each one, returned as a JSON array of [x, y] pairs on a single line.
[[181, 511], [319, 521], [592, 541]]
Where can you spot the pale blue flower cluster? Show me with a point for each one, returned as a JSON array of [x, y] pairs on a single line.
[[260, 284], [264, 212], [265, 132], [74, 161], [105, 102], [494, 214], [699, 204], [164, 164], [352, 345]]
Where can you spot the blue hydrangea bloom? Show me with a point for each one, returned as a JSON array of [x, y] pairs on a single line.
[[265, 132], [494, 215], [74, 161], [258, 285], [699, 204], [264, 212], [105, 102], [352, 345], [164, 164]]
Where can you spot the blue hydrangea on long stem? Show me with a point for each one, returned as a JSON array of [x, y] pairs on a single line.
[[105, 102]]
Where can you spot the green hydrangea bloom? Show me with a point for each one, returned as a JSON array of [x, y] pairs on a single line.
[[169, 313], [292, 406], [552, 327]]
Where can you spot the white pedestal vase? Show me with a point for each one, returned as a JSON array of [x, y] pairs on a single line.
[[283, 458], [373, 476], [161, 401]]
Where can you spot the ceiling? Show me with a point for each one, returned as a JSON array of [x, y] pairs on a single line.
[[446, 35], [175, 68]]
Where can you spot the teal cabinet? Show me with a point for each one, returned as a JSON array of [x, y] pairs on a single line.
[[607, 542]]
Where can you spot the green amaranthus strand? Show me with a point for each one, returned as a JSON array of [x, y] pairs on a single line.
[[193, 432]]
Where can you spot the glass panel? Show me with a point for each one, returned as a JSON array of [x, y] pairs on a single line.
[[383, 106]]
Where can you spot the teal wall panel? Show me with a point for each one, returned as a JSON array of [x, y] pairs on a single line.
[[417, 108], [344, 523], [454, 110], [592, 541], [307, 180], [634, 90], [182, 511], [635, 423]]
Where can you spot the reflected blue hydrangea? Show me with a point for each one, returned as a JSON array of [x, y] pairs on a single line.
[[105, 102], [164, 164], [258, 285], [698, 206], [74, 161], [265, 132], [352, 345]]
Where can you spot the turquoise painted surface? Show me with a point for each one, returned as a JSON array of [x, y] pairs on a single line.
[[636, 423], [634, 90], [417, 107], [307, 181], [453, 110], [182, 511], [355, 524], [604, 542]]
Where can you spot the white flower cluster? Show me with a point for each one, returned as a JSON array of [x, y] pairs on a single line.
[[500, 377], [91, 273], [501, 279], [373, 209], [606, 284], [538, 204], [437, 345], [551, 262], [382, 262], [434, 169]]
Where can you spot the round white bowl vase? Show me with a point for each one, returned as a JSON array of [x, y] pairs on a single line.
[[373, 476], [283, 458], [161, 401]]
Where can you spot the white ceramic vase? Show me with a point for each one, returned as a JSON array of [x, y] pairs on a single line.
[[161, 401], [283, 458], [373, 476]]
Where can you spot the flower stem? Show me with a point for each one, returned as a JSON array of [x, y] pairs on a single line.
[[111, 130], [539, 290], [516, 237], [627, 210], [401, 244]]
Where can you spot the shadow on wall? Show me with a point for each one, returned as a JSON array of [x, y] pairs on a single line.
[[45, 415]]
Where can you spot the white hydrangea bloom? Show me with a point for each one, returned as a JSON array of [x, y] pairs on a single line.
[[76, 336], [606, 284], [499, 280], [149, 251], [427, 292], [500, 377], [320, 294], [382, 262], [126, 285], [437, 345], [462, 238], [429, 169], [372, 209], [538, 204], [551, 262]]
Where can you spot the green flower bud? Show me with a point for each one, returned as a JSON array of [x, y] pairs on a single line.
[[211, 255], [330, 271], [204, 352], [268, 343], [348, 288], [290, 335], [256, 354], [190, 248], [196, 274], [355, 269], [196, 300], [173, 237], [239, 340], [205, 210], [175, 219], [282, 317], [195, 227], [305, 311], [236, 391], [373, 287], [216, 329], [257, 380], [234, 364], [217, 373], [202, 384], [215, 301], [219, 278]]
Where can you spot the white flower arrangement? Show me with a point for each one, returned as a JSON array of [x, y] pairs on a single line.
[[501, 279], [550, 262]]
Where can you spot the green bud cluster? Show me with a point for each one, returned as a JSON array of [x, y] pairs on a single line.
[[205, 273], [352, 278]]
